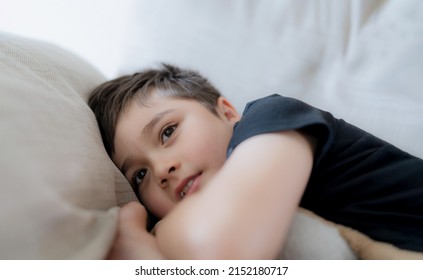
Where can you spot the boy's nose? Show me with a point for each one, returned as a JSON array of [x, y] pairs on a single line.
[[163, 181], [166, 172]]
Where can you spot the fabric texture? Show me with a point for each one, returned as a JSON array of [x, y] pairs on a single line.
[[57, 188], [359, 244], [310, 237], [358, 180]]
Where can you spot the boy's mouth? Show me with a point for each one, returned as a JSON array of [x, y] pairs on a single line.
[[188, 186]]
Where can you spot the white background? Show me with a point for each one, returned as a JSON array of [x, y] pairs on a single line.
[[93, 29]]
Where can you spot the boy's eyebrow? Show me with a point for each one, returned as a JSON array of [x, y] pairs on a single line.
[[147, 129]]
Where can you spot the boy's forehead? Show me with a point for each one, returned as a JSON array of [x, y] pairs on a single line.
[[147, 113], [154, 95]]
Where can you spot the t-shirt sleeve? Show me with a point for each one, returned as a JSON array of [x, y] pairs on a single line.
[[276, 113]]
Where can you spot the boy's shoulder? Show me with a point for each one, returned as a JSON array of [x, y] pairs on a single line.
[[264, 100]]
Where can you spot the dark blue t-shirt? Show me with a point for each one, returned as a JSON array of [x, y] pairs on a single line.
[[357, 180]]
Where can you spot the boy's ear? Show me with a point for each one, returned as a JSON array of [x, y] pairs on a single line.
[[227, 110]]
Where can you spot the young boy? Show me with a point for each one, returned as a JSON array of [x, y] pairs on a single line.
[[226, 186]]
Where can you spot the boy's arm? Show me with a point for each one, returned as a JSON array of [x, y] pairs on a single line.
[[246, 210]]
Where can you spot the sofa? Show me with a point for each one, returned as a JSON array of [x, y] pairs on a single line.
[[60, 193]]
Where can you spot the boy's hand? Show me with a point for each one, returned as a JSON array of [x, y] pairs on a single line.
[[132, 240], [153, 231]]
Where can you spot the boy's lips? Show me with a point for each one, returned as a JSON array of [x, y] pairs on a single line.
[[187, 186]]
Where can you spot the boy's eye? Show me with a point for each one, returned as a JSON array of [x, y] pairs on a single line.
[[166, 133], [138, 177]]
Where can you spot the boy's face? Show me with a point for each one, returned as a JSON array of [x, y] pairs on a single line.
[[171, 148]]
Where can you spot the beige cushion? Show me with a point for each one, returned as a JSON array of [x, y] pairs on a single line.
[[57, 192]]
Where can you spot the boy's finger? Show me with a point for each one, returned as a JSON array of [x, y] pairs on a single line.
[[134, 215], [153, 231], [132, 240]]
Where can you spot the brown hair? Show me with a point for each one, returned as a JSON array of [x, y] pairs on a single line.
[[109, 99]]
